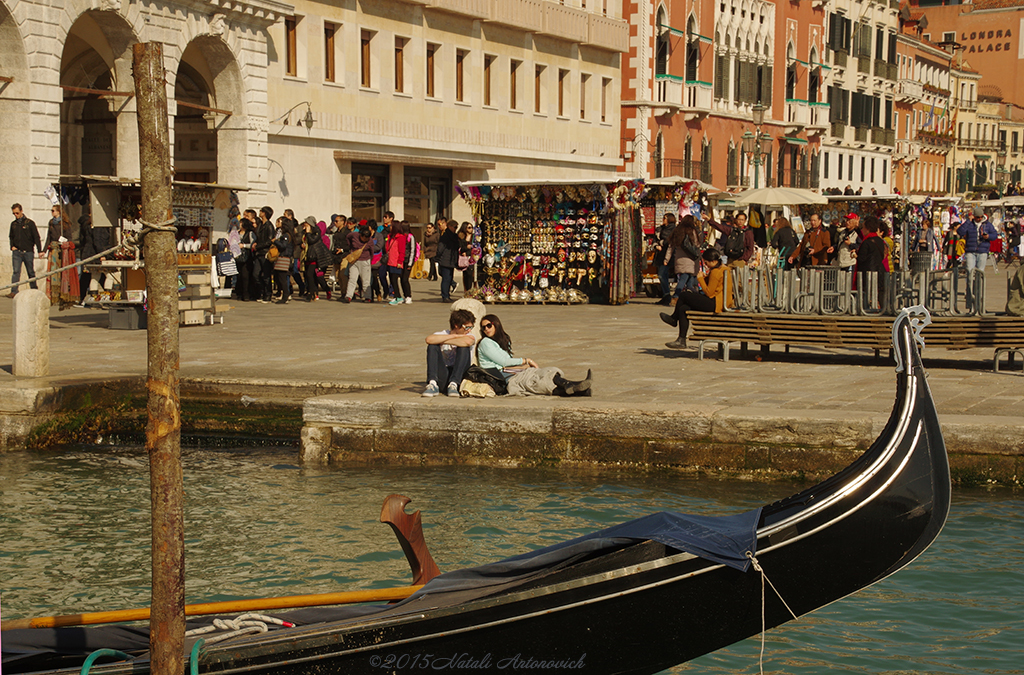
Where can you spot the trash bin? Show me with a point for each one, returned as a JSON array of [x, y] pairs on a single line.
[[920, 262]]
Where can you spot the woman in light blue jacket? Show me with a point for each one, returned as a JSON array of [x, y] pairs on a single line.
[[524, 376]]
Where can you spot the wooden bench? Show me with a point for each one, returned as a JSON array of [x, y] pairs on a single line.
[[1005, 334]]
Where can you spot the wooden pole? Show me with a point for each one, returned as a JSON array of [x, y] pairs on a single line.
[[163, 427], [222, 607]]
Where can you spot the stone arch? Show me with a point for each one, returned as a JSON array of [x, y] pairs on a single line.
[[15, 132], [96, 137], [208, 75]]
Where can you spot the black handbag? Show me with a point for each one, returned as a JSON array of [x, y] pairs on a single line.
[[487, 376]]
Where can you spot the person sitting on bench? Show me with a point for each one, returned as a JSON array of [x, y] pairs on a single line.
[[712, 297]]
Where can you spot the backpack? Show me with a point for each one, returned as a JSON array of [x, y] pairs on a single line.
[[734, 243]]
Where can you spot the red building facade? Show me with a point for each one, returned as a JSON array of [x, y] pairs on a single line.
[[695, 73]]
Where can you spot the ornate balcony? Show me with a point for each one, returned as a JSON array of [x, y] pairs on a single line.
[[668, 94], [607, 33], [527, 15], [697, 99], [566, 23], [909, 90], [474, 9], [798, 116], [819, 118]]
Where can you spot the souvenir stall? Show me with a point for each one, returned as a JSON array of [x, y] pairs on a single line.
[[1012, 225], [664, 196], [558, 241], [118, 282]]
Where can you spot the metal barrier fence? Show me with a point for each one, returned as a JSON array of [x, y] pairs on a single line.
[[833, 291]]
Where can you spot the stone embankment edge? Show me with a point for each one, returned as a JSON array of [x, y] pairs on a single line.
[[754, 443]]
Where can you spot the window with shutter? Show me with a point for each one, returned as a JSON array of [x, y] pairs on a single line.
[[738, 87], [719, 73], [766, 99], [855, 106], [892, 48], [888, 114], [725, 76]]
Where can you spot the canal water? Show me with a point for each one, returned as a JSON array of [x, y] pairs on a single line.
[[74, 536]]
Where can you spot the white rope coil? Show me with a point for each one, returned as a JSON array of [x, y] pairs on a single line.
[[243, 624]]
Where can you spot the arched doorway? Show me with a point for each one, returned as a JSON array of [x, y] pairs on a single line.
[[95, 76], [15, 132], [209, 144]]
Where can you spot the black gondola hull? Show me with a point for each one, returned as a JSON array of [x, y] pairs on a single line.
[[646, 607]]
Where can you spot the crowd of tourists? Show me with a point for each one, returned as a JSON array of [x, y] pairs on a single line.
[[348, 260]]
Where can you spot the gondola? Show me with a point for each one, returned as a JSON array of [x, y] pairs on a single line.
[[639, 597]]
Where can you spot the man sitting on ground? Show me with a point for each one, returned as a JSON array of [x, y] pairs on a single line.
[[449, 354]]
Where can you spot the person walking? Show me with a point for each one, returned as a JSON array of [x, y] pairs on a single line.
[[448, 258], [431, 236], [466, 261], [24, 238], [283, 265], [668, 224], [264, 238], [362, 240], [246, 260], [409, 262], [395, 253], [684, 251]]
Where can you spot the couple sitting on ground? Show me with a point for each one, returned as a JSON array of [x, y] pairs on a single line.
[[449, 359]]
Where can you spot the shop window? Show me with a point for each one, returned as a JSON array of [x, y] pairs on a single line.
[[426, 194], [369, 191]]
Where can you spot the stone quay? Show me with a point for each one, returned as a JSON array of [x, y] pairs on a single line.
[[342, 382]]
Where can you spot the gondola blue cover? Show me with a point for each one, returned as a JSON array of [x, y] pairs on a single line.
[[722, 539]]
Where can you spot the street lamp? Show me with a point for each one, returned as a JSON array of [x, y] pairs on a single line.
[[306, 120], [757, 144]]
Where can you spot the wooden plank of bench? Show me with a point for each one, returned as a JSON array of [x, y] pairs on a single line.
[[853, 331]]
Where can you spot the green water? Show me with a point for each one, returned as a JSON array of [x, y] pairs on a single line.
[[74, 529]]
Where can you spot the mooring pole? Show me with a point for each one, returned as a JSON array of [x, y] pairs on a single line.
[[163, 426]]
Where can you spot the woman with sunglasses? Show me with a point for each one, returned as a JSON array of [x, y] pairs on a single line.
[[523, 375]]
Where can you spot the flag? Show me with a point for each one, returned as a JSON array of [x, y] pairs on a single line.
[[931, 116], [945, 110]]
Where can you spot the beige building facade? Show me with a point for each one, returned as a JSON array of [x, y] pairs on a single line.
[[403, 98], [408, 98]]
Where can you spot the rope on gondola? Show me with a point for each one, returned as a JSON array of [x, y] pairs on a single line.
[[240, 625], [764, 577], [131, 242]]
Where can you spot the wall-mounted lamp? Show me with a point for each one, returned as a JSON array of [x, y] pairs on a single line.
[[307, 119]]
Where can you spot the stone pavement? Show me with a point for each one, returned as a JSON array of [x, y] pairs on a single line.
[[380, 349]]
